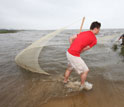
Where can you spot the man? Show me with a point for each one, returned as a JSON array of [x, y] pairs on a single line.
[[122, 37], [78, 44]]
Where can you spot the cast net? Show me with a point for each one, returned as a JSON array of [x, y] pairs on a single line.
[[28, 58]]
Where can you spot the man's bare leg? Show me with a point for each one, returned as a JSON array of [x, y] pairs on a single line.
[[67, 74], [83, 77]]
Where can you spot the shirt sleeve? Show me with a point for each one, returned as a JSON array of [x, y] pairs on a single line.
[[93, 43]]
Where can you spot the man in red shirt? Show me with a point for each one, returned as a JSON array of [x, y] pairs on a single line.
[[78, 44]]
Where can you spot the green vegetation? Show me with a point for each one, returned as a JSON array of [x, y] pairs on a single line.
[[115, 47], [122, 51], [8, 31]]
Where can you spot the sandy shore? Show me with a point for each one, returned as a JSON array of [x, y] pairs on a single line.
[[105, 93]]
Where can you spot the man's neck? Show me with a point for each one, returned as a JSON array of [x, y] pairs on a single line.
[[93, 32]]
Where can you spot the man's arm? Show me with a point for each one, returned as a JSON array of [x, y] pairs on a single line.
[[90, 46], [120, 38], [72, 38], [86, 48]]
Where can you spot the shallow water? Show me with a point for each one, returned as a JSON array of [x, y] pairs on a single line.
[[21, 88]]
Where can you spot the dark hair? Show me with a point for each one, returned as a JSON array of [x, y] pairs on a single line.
[[95, 25]]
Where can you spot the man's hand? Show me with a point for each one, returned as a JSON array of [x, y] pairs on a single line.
[[72, 38], [86, 48], [120, 38]]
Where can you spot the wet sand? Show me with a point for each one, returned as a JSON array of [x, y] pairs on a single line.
[[106, 92]]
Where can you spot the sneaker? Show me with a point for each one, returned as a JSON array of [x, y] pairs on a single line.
[[65, 82], [87, 86], [81, 87]]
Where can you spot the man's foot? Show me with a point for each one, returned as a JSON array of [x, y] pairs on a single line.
[[65, 81], [87, 86]]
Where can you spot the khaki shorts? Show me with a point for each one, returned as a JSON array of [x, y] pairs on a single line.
[[76, 63]]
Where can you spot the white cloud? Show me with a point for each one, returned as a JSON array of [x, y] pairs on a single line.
[[52, 14]]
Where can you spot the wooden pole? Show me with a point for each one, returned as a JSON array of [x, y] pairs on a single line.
[[82, 24]]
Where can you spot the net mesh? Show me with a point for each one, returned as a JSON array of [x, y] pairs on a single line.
[[28, 58]]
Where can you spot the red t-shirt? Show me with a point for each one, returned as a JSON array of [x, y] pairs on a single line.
[[83, 39]]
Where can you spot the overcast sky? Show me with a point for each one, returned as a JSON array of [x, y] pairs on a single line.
[[54, 14]]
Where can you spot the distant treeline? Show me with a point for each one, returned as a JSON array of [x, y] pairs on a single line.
[[8, 31]]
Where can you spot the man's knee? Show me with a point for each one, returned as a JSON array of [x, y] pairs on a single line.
[[85, 72], [69, 70]]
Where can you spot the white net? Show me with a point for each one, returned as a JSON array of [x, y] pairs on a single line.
[[28, 58]]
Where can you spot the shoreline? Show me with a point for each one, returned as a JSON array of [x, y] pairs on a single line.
[[105, 93]]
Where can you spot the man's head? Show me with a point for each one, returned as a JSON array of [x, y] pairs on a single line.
[[95, 27]]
